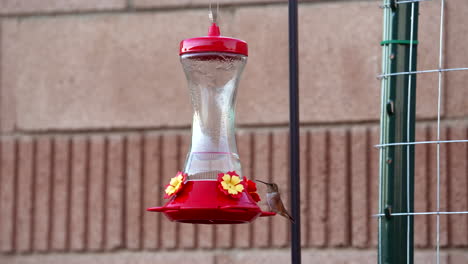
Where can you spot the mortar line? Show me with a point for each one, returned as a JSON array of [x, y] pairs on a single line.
[[87, 192], [69, 195], [33, 190], [239, 128]]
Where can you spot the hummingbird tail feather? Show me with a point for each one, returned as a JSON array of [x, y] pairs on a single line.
[[287, 215]]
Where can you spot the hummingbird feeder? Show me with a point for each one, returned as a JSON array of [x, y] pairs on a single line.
[[211, 188]]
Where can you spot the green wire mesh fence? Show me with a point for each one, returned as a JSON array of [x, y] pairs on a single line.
[[397, 137]]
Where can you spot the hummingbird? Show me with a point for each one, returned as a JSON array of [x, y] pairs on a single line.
[[274, 200]]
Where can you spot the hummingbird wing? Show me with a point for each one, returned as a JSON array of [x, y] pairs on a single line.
[[278, 206], [285, 213]]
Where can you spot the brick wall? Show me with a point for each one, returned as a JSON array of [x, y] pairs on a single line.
[[95, 118]]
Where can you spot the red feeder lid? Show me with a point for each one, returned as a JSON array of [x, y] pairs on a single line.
[[214, 42]]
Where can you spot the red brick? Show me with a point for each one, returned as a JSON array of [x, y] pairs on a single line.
[[61, 32], [152, 185], [261, 165], [318, 105], [339, 192], [374, 182], [66, 79], [421, 180], [185, 139], [60, 218], [54, 6], [24, 195], [223, 236], [454, 87], [170, 167], [7, 96], [428, 32], [242, 234], [444, 192], [457, 96], [458, 184], [187, 235], [206, 236], [96, 208], [42, 205], [115, 190], [428, 51], [107, 45], [360, 211], [426, 103], [305, 186], [78, 193], [223, 233], [254, 106], [8, 156], [134, 206], [353, 84], [318, 232], [280, 175]]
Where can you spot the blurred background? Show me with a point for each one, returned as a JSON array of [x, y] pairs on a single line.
[[95, 119]]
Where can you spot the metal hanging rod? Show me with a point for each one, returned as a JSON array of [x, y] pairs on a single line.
[[294, 142]]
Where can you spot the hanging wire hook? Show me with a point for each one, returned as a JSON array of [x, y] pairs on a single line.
[[213, 14]]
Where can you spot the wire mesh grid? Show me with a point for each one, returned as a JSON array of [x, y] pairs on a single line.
[[440, 88]]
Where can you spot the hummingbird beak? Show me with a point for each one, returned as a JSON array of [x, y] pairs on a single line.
[[263, 182]]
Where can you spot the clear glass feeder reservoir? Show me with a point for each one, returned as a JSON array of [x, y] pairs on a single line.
[[212, 65], [213, 79]]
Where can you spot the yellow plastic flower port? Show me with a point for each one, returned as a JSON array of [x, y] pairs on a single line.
[[175, 185], [231, 184]]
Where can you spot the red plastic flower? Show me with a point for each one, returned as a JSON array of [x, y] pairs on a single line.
[[252, 189], [175, 185], [231, 184]]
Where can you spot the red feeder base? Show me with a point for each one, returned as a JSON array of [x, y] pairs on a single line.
[[201, 202]]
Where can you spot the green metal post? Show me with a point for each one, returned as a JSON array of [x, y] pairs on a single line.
[[397, 125]]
